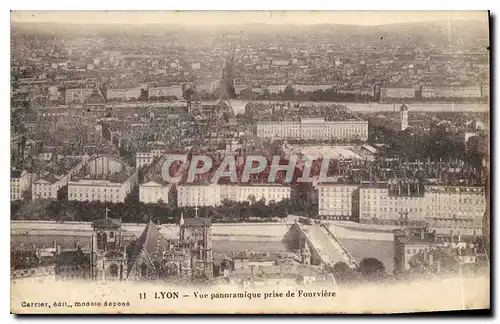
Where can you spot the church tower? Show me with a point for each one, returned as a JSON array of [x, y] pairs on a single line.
[[196, 239], [404, 117], [108, 254]]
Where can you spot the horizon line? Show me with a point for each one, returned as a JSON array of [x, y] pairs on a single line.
[[235, 24], [241, 18]]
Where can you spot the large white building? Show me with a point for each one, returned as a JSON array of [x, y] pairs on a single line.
[[101, 190], [79, 95], [47, 185], [19, 183], [153, 192], [215, 194], [194, 195], [313, 128], [103, 178], [143, 159], [455, 208], [451, 92], [275, 88], [123, 94], [337, 201], [247, 192], [398, 93], [312, 87], [171, 91], [443, 208]]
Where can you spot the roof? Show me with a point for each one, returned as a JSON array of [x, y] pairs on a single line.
[[151, 183], [152, 242], [95, 98], [197, 222], [15, 174], [107, 223], [414, 239], [72, 257]]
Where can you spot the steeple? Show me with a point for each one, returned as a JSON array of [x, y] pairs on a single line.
[[404, 117]]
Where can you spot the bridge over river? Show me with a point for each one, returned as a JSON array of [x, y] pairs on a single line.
[[325, 248]]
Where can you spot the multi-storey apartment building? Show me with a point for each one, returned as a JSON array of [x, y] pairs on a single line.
[[338, 201], [19, 183], [78, 96], [398, 93], [198, 195], [143, 159], [123, 94], [101, 190], [215, 194], [246, 192], [103, 178], [455, 207], [443, 208], [314, 128], [153, 192], [451, 92], [171, 91], [48, 184]]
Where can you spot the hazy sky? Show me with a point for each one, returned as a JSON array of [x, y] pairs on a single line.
[[240, 17]]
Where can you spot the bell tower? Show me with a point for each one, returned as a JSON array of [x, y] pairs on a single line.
[[108, 253], [404, 117], [196, 239]]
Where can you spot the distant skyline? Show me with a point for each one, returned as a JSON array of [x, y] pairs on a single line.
[[215, 18]]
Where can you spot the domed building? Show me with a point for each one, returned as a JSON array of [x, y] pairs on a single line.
[[95, 103]]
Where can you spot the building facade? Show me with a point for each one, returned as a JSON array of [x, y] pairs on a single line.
[[194, 195], [101, 190], [397, 93], [314, 129], [20, 181], [338, 201], [215, 194], [108, 259], [404, 117], [78, 96], [143, 159], [153, 192], [47, 186], [123, 94], [455, 208], [171, 91], [445, 209], [454, 92]]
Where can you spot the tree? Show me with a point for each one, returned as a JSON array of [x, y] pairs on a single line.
[[289, 93], [343, 273], [372, 267]]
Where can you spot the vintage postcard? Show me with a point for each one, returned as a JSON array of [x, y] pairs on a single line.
[[249, 162]]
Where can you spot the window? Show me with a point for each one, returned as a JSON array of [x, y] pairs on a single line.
[[113, 270]]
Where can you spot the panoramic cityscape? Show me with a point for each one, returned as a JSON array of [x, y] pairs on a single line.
[[250, 155]]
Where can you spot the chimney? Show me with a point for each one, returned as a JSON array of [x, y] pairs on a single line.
[[422, 233], [58, 249]]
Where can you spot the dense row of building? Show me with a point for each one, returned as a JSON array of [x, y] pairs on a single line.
[[314, 129], [441, 207]]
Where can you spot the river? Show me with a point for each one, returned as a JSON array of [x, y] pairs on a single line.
[[239, 106]]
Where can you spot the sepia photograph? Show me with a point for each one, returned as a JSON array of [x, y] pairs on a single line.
[[249, 162]]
